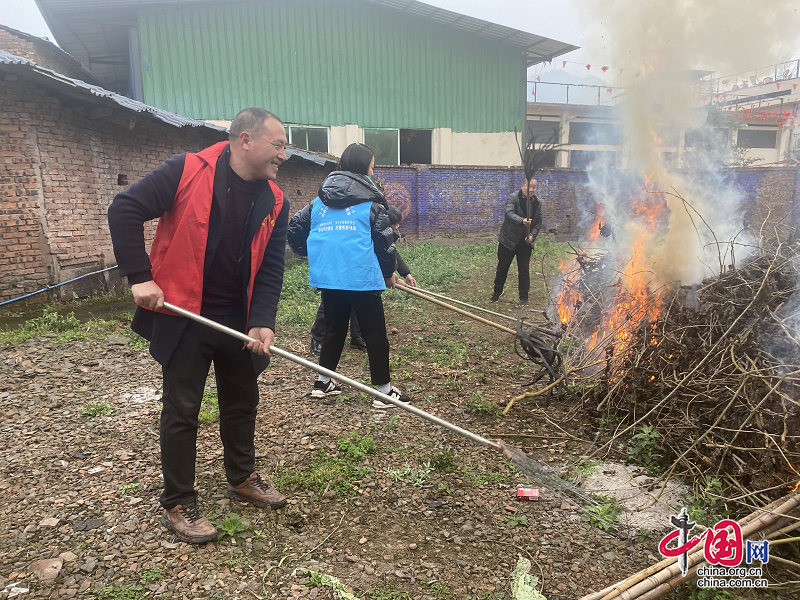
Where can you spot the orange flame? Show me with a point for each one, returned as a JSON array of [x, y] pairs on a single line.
[[795, 487], [599, 220]]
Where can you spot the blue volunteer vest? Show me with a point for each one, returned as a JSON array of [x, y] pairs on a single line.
[[340, 251]]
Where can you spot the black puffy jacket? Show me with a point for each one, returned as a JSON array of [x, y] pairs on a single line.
[[340, 190]]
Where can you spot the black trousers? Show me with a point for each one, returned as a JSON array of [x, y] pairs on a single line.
[[318, 328], [504, 257], [237, 393], [368, 307]]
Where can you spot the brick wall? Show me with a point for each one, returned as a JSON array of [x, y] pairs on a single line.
[[438, 200], [59, 171], [300, 179], [43, 53]]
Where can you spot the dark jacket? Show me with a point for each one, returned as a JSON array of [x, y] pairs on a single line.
[[513, 231], [340, 190], [154, 195]]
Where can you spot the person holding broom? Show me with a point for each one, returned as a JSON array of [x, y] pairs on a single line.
[[218, 251], [523, 220]]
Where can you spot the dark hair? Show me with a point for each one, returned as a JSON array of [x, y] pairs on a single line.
[[395, 216], [250, 120], [356, 158]]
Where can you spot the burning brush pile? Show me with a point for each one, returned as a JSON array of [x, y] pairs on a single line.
[[714, 366]]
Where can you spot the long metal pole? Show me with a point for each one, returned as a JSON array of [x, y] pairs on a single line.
[[337, 376]]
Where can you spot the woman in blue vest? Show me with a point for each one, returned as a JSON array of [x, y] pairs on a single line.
[[347, 236]]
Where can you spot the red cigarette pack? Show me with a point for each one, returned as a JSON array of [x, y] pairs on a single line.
[[530, 494]]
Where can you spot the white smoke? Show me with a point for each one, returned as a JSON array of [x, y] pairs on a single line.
[[659, 46]]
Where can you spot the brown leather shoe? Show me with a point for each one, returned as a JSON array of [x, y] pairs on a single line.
[[256, 491], [189, 524]]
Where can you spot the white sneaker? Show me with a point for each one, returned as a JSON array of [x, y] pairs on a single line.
[[393, 393], [323, 390]]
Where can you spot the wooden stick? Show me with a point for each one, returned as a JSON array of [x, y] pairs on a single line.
[[413, 292]]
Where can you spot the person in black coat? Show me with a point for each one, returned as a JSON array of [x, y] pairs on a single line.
[[516, 239], [216, 209], [347, 235]]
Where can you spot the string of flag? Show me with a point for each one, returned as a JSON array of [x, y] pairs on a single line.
[[608, 90]]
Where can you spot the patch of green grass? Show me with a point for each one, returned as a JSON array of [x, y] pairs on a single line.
[[138, 341], [438, 265], [325, 473], [416, 476], [233, 526], [121, 592], [355, 446], [209, 408], [581, 470], [298, 305], [238, 561], [478, 477], [387, 592], [443, 459], [705, 502], [442, 592], [66, 327], [603, 516], [128, 488], [514, 521], [478, 405], [644, 449], [151, 574], [454, 354], [97, 409]]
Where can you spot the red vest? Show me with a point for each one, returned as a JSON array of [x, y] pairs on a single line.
[[179, 247]]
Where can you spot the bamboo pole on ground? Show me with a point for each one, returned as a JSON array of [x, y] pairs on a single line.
[[659, 575]]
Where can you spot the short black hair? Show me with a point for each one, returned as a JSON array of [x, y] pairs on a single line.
[[356, 158], [395, 216], [250, 120]]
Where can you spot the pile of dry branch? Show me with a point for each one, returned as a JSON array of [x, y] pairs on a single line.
[[716, 369]]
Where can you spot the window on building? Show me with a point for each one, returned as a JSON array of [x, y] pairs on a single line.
[[385, 143], [416, 146], [308, 138], [594, 134], [584, 159], [757, 138], [544, 131]]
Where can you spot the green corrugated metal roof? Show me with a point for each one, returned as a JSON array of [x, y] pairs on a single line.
[[328, 63]]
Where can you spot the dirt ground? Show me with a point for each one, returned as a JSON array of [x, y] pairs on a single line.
[[423, 514]]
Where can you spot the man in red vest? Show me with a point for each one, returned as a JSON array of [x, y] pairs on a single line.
[[218, 251]]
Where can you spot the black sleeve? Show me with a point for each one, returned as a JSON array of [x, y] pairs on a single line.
[[269, 279], [382, 239], [145, 200], [511, 209], [402, 267], [299, 229], [536, 224]]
